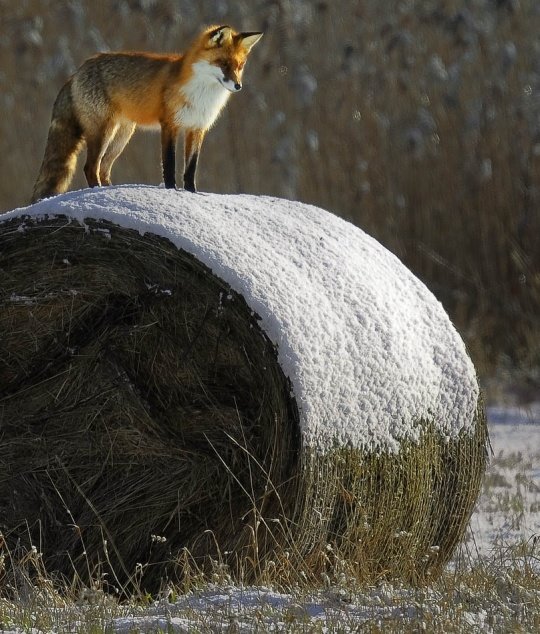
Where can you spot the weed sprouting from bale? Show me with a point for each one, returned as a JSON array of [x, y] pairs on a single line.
[[148, 431]]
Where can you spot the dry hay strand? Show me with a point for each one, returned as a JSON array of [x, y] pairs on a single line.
[[146, 427]]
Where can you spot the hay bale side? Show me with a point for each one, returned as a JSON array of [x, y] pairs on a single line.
[[141, 400], [397, 516]]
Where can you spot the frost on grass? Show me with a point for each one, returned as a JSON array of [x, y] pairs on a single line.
[[368, 349]]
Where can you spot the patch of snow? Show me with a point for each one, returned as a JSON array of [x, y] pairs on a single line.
[[243, 609], [508, 511], [369, 350]]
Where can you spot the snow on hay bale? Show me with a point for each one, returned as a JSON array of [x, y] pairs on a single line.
[[187, 377]]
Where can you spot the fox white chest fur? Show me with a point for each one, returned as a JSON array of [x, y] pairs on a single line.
[[204, 96]]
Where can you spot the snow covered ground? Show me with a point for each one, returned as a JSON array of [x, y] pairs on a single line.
[[509, 509]]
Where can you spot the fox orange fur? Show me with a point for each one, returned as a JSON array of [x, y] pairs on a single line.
[[112, 93]]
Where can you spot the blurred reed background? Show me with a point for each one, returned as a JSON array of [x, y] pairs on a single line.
[[418, 120]]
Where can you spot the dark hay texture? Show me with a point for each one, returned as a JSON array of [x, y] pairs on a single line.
[[146, 428]]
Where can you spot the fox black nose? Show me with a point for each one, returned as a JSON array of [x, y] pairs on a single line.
[[237, 86]]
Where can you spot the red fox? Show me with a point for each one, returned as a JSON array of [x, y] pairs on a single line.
[[112, 93]]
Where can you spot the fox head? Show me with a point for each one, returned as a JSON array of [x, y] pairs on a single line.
[[227, 51]]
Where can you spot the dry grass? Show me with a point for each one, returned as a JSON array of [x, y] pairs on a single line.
[[501, 594], [148, 429]]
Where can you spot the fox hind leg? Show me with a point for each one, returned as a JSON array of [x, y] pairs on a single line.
[[96, 146], [115, 147]]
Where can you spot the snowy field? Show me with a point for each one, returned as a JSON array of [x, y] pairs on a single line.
[[509, 510], [493, 586]]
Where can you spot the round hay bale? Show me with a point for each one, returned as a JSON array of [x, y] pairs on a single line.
[[190, 379]]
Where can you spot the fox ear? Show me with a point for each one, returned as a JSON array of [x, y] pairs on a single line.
[[220, 35], [248, 40]]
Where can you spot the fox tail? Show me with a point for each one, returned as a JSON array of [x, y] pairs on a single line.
[[64, 143]]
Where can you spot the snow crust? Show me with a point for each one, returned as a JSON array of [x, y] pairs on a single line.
[[369, 350]]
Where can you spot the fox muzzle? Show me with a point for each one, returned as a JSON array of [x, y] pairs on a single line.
[[230, 84]]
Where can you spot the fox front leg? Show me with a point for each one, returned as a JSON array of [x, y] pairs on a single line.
[[168, 155], [192, 148]]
